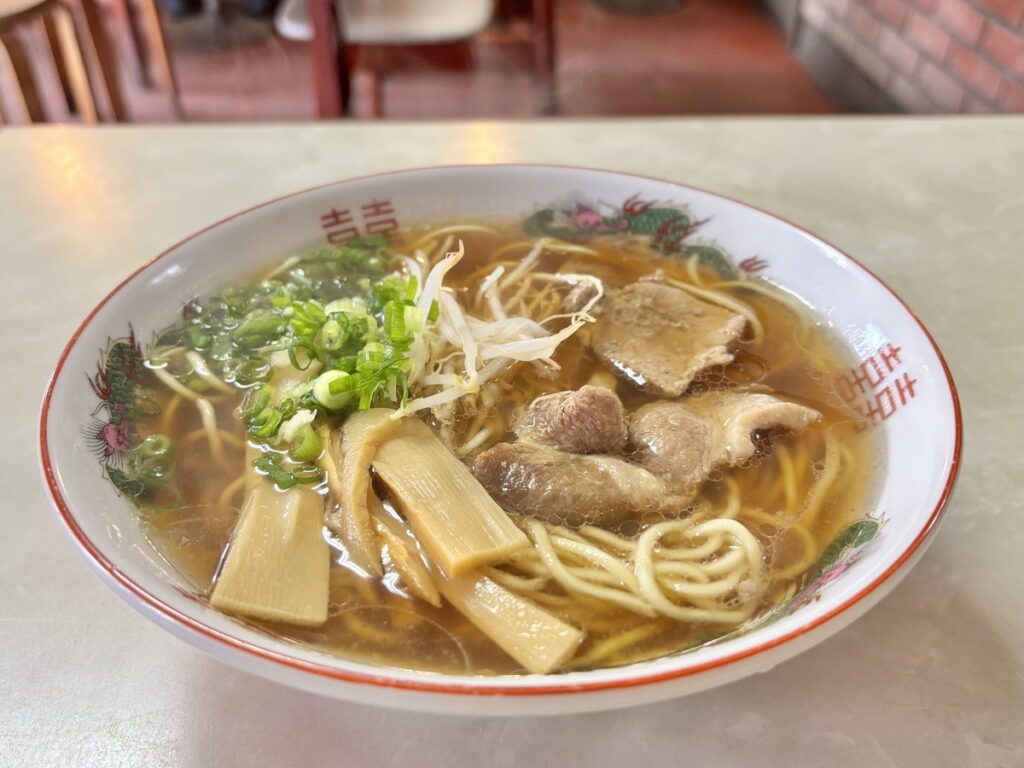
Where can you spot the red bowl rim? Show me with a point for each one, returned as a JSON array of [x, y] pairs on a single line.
[[430, 685]]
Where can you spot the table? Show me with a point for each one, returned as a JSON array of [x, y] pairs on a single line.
[[933, 676]]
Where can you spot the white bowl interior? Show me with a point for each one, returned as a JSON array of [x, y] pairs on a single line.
[[920, 434]]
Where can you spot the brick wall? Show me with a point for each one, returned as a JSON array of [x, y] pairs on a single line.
[[931, 55]]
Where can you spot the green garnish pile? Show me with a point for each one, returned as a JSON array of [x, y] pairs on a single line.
[[342, 314]]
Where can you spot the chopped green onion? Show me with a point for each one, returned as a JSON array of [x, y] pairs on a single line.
[[394, 320], [329, 392], [293, 357], [339, 310], [258, 399], [434, 313], [332, 336], [156, 445], [258, 330], [267, 422], [343, 384], [198, 339], [366, 396], [267, 465], [353, 306], [413, 319], [307, 446], [252, 371], [373, 352], [307, 474]]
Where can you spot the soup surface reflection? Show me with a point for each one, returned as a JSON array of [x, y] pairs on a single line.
[[797, 493]]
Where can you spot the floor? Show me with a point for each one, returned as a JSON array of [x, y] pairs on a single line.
[[706, 57]]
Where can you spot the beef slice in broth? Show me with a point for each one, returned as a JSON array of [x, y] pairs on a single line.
[[673, 443], [682, 441], [566, 488], [579, 296], [660, 337], [588, 420]]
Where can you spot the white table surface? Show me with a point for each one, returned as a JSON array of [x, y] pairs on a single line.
[[933, 676]]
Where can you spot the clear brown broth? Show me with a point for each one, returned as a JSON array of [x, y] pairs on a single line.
[[376, 622]]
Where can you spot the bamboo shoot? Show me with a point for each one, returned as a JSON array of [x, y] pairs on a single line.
[[404, 555], [278, 563], [530, 635], [360, 436], [459, 525], [252, 479]]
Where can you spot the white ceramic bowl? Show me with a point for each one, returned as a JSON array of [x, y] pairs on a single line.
[[902, 379]]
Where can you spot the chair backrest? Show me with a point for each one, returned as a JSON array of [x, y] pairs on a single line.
[[394, 22], [12, 10], [391, 22], [21, 77]]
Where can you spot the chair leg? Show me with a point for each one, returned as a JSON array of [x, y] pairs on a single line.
[[77, 76], [329, 61], [126, 21], [26, 94], [157, 45], [58, 61], [375, 81], [544, 56], [96, 32]]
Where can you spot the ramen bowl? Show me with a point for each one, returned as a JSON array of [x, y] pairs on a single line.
[[897, 381]]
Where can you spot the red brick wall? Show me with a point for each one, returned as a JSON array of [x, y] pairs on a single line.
[[932, 55]]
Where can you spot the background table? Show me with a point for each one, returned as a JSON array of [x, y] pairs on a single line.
[[933, 676]]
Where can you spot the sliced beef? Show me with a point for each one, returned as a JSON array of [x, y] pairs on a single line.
[[738, 415], [660, 337], [588, 420], [579, 296], [565, 488], [673, 443], [682, 441]]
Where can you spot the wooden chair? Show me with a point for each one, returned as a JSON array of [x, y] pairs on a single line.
[[71, 29], [386, 35], [141, 27], [82, 57]]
